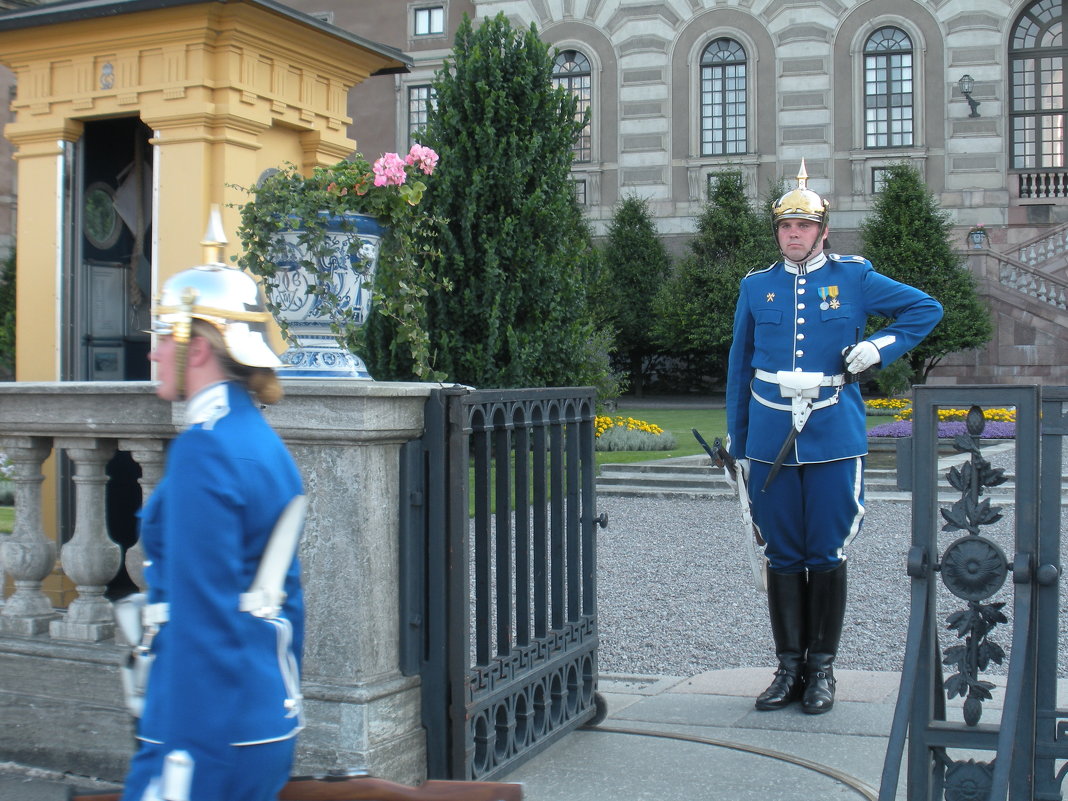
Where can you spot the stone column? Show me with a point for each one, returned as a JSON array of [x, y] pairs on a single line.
[[149, 454], [27, 555], [90, 559], [361, 710]]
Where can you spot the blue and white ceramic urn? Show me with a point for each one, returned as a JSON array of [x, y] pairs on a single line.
[[350, 260]]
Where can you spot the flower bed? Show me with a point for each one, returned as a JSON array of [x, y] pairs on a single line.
[[628, 434], [994, 429]]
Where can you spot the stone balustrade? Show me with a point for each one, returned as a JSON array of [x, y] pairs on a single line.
[[1034, 283], [1044, 249], [346, 438]]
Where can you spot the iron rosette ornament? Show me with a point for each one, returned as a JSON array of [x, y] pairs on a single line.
[[973, 568]]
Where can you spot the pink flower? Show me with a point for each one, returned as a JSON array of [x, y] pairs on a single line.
[[389, 170], [423, 157]]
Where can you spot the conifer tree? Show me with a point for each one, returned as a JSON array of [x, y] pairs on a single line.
[[907, 237], [514, 247], [635, 264], [695, 307]]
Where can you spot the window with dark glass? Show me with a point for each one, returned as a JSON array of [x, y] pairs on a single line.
[[580, 192], [724, 98], [888, 89], [420, 100], [571, 70], [1037, 107]]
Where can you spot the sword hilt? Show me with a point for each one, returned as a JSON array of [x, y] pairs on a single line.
[[716, 451]]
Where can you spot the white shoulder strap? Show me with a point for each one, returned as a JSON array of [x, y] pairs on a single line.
[[266, 595]]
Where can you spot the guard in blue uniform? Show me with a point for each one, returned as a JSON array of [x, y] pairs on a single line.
[[222, 705], [796, 424]]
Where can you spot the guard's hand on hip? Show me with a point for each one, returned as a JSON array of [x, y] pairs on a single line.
[[862, 356], [743, 465]]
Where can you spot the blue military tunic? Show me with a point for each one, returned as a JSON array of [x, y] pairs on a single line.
[[221, 678], [789, 319], [799, 319]]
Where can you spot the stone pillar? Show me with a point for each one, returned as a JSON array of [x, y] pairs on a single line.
[[43, 161], [361, 710], [90, 559], [149, 454], [27, 555]]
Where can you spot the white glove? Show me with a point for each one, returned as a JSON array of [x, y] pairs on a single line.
[[862, 356], [743, 465]]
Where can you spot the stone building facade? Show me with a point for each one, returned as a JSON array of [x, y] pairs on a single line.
[[682, 89]]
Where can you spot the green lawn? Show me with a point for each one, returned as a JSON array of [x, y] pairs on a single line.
[[711, 423], [7, 519]]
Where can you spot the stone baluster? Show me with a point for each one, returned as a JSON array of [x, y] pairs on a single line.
[[27, 555], [90, 559], [149, 454]]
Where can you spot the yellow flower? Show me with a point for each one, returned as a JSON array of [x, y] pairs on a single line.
[[602, 423]]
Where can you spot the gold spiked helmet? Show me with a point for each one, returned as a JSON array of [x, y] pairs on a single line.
[[220, 295], [800, 203]]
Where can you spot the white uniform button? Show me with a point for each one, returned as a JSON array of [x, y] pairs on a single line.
[[800, 336], [801, 281], [801, 292], [800, 320], [798, 370], [801, 306], [799, 353]]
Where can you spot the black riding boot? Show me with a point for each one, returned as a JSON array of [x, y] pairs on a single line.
[[786, 606], [826, 614]]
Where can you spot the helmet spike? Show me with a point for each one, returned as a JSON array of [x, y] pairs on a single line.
[[802, 176], [214, 237]]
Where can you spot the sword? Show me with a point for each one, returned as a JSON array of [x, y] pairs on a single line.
[[780, 457], [751, 536]]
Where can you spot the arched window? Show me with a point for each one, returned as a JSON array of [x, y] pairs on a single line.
[[571, 71], [888, 89], [723, 98], [1037, 107]]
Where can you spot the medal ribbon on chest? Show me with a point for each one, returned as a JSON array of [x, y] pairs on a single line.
[[829, 296]]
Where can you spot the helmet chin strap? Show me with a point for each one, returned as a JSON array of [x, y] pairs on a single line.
[[182, 331]]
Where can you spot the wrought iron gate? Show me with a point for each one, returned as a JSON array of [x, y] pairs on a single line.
[[499, 564], [1032, 734]]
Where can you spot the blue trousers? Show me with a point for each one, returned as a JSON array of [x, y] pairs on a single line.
[[226, 773], [809, 512]]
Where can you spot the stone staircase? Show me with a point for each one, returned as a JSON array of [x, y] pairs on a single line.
[[694, 478]]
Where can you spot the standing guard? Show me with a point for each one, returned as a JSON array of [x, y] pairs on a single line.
[[796, 426]]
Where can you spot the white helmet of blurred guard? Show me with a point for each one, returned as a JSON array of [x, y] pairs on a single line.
[[225, 297]]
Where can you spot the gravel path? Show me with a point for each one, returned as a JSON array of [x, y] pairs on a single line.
[[675, 595]]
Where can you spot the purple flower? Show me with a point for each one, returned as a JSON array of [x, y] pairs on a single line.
[[903, 428]]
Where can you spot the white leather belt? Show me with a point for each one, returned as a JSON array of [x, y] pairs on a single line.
[[827, 381], [802, 388], [788, 407]]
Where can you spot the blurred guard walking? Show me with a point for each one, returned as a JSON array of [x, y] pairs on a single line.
[[224, 620]]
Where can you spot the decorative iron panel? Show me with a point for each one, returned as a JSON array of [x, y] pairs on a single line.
[[983, 562], [499, 555]]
